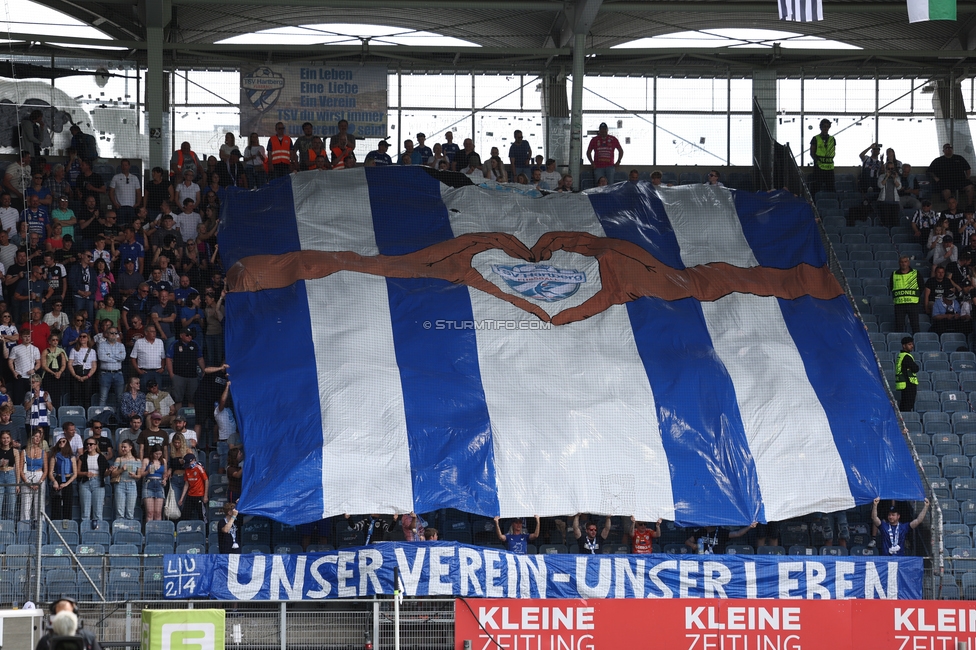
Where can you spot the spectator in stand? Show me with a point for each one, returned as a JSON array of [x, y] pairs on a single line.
[[935, 286], [138, 304], [178, 449], [450, 150], [889, 184], [495, 170], [17, 178], [133, 402], [473, 169], [34, 473], [184, 359], [550, 177], [605, 154], [164, 314], [235, 470], [185, 160], [299, 150], [24, 360], [9, 216], [9, 475], [231, 173], [425, 152], [517, 541], [641, 537], [39, 189], [342, 139], [409, 155], [255, 162], [951, 174], [189, 435], [567, 185], [111, 356], [188, 220], [713, 540], [904, 285], [36, 217], [947, 316], [63, 471], [125, 472], [375, 527], [227, 531], [908, 194], [214, 337], [945, 251], [125, 192], [83, 363], [519, 155], [461, 158], [894, 533], [132, 249], [78, 325], [871, 167], [226, 425], [430, 534], [92, 470], [148, 354], [923, 221], [195, 490], [38, 328], [413, 527], [188, 189], [54, 363], [154, 483], [590, 542], [81, 281], [438, 155], [835, 525], [157, 191], [160, 405], [101, 435], [379, 156]]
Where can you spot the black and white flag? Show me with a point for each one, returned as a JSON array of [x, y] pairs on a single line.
[[801, 11]]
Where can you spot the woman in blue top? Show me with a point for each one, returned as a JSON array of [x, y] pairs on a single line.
[[64, 471], [126, 471], [153, 489]]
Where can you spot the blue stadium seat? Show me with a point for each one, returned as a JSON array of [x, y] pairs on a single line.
[[123, 584], [190, 549], [956, 466], [124, 556], [963, 489]]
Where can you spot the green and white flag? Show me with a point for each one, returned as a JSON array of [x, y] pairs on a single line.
[[921, 10]]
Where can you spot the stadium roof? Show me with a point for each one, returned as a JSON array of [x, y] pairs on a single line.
[[530, 35]]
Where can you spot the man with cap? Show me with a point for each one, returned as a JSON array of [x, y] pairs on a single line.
[[892, 531], [153, 435], [945, 252], [870, 167], [603, 154], [425, 152], [159, 402], [194, 489], [379, 155], [906, 375], [947, 316], [183, 359], [642, 537]]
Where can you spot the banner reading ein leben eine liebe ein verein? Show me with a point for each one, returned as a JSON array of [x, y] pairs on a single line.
[[320, 94], [450, 569], [714, 624]]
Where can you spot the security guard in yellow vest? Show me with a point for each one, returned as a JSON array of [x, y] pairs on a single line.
[[904, 291], [906, 378], [823, 146]]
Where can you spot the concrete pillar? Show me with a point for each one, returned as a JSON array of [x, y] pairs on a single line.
[[158, 14], [555, 113], [764, 91], [576, 119]]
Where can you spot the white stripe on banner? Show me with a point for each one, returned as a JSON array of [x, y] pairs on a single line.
[[591, 442], [364, 429], [797, 462]]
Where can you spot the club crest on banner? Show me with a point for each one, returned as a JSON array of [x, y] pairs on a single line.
[[263, 87], [541, 281]]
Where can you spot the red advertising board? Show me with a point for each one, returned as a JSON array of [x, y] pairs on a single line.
[[609, 624]]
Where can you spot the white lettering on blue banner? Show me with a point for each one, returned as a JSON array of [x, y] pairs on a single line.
[[449, 569]]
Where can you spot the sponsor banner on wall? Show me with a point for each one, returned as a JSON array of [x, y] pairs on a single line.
[[296, 93], [713, 624], [450, 569]]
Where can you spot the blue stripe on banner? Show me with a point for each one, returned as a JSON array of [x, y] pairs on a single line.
[[836, 353], [264, 221], [251, 222], [701, 428], [780, 229], [451, 452], [841, 368]]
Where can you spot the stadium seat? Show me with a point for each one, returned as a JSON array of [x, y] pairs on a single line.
[[123, 556], [95, 413], [956, 466], [320, 548], [833, 550], [797, 549], [190, 549], [60, 583], [863, 550], [770, 550], [12, 586], [124, 584], [255, 549], [739, 549]]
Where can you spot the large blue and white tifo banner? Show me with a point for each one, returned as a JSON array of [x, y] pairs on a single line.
[[400, 345], [448, 569]]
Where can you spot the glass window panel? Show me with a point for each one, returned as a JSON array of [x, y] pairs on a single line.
[[691, 140]]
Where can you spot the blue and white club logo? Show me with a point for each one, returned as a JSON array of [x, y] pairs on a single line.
[[541, 281], [262, 87]]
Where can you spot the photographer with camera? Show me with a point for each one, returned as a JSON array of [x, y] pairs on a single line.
[[66, 631], [888, 200], [871, 167]]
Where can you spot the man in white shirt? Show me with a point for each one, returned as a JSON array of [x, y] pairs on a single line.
[[125, 192], [24, 360], [8, 215], [188, 220], [16, 180], [8, 251], [148, 356], [550, 177]]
